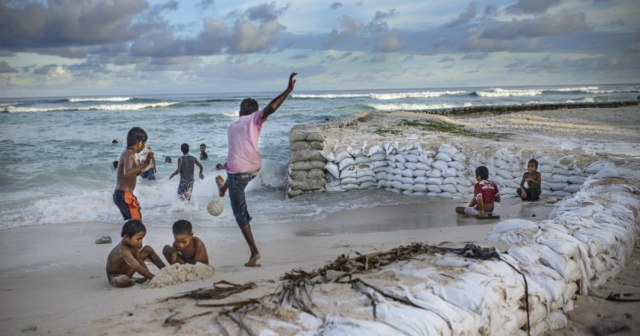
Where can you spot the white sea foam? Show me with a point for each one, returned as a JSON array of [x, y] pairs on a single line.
[[583, 100], [413, 107], [230, 115], [382, 96], [497, 92], [586, 89], [331, 96], [113, 99], [126, 107]]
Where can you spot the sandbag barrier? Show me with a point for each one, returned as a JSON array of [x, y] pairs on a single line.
[[436, 291], [505, 109], [444, 171]]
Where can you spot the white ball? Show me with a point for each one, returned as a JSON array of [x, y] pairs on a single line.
[[215, 207]]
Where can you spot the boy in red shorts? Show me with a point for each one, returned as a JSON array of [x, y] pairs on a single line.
[[128, 171], [485, 194]]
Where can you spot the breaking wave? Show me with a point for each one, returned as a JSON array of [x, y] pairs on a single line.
[[414, 107], [111, 99], [381, 96], [122, 107]]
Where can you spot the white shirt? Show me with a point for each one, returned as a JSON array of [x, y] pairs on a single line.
[[140, 157]]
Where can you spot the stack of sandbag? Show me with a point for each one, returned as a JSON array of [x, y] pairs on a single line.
[[560, 177], [585, 242], [307, 162]]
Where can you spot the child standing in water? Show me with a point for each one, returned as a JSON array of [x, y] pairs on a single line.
[[534, 179], [186, 170], [244, 161], [128, 171]]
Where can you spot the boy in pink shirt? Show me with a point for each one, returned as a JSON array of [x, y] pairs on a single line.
[[244, 161]]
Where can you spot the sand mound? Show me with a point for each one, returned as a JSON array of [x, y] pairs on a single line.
[[176, 273]]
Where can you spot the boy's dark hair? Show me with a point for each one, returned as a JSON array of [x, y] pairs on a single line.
[[115, 164], [535, 162], [132, 227], [483, 172], [203, 145], [184, 148], [136, 135], [182, 227], [248, 106]]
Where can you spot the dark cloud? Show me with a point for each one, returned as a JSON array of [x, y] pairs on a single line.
[[408, 58], [531, 6], [28, 67], [387, 39], [348, 27], [4, 53], [465, 17], [299, 56], [475, 56], [45, 69], [6, 68], [265, 12], [490, 11], [379, 22], [92, 64], [438, 46], [355, 59], [388, 42], [447, 59], [204, 5], [378, 58], [548, 25], [346, 55], [336, 5], [590, 64]]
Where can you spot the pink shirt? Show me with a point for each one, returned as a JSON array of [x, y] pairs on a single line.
[[242, 137]]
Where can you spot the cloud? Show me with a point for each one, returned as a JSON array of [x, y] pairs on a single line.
[[6, 68], [476, 56], [237, 59], [377, 58], [348, 27], [204, 5], [336, 5], [531, 6], [448, 66], [379, 22], [465, 17], [265, 12], [388, 42], [28, 67], [258, 72], [490, 11], [549, 25], [346, 55], [447, 59], [408, 58], [438, 46], [53, 74], [249, 37], [472, 71], [592, 64], [299, 56]]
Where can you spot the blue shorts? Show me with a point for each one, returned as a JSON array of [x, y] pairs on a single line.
[[237, 183], [149, 174]]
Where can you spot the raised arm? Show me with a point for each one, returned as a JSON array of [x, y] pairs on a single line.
[[275, 103]]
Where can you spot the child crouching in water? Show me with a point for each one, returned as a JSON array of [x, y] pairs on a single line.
[[534, 180], [485, 193], [186, 249], [128, 256]]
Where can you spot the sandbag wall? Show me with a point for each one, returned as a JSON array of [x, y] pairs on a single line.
[[585, 242], [306, 164]]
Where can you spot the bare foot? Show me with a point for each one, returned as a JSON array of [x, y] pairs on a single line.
[[253, 260], [222, 187]]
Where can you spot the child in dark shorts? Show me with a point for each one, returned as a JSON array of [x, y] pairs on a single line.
[[186, 170], [534, 179]]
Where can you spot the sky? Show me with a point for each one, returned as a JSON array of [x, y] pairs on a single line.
[[107, 47]]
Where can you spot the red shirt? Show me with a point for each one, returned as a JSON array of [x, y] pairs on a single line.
[[487, 189]]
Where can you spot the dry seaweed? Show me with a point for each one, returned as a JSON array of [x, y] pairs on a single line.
[[221, 289]]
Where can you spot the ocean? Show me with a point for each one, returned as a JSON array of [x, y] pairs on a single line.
[[56, 164]]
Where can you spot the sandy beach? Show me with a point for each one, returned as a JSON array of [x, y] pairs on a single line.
[[52, 277]]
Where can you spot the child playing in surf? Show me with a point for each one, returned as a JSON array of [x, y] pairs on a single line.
[[244, 161], [128, 256], [485, 194], [186, 170], [128, 171], [186, 248], [534, 179], [203, 152]]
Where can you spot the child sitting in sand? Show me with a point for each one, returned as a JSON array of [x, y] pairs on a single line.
[[186, 169], [128, 256], [534, 180], [485, 194], [186, 248]]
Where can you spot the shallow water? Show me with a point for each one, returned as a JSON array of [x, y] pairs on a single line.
[[57, 154]]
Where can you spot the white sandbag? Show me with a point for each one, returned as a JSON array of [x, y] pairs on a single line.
[[419, 187], [434, 188], [407, 172], [396, 184], [449, 188], [374, 150], [332, 168], [391, 158], [492, 171], [457, 165], [607, 172], [459, 157], [450, 180], [345, 163], [407, 192], [397, 171], [421, 179], [434, 173], [418, 173], [499, 163], [428, 153], [364, 179], [418, 193], [412, 158], [464, 182], [505, 173], [596, 167], [364, 172], [514, 224], [443, 157], [362, 159], [407, 180], [422, 166], [400, 158], [576, 179], [389, 169], [561, 171], [378, 164], [450, 172], [406, 186], [356, 152], [328, 156], [396, 178], [392, 164], [410, 165], [342, 155], [560, 193], [381, 176], [446, 149], [367, 185], [379, 170], [378, 157], [434, 180], [572, 188], [400, 165], [465, 190], [349, 180], [446, 194], [351, 186], [431, 193], [425, 160], [557, 178], [546, 186], [439, 164], [348, 174], [557, 186], [545, 169]]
